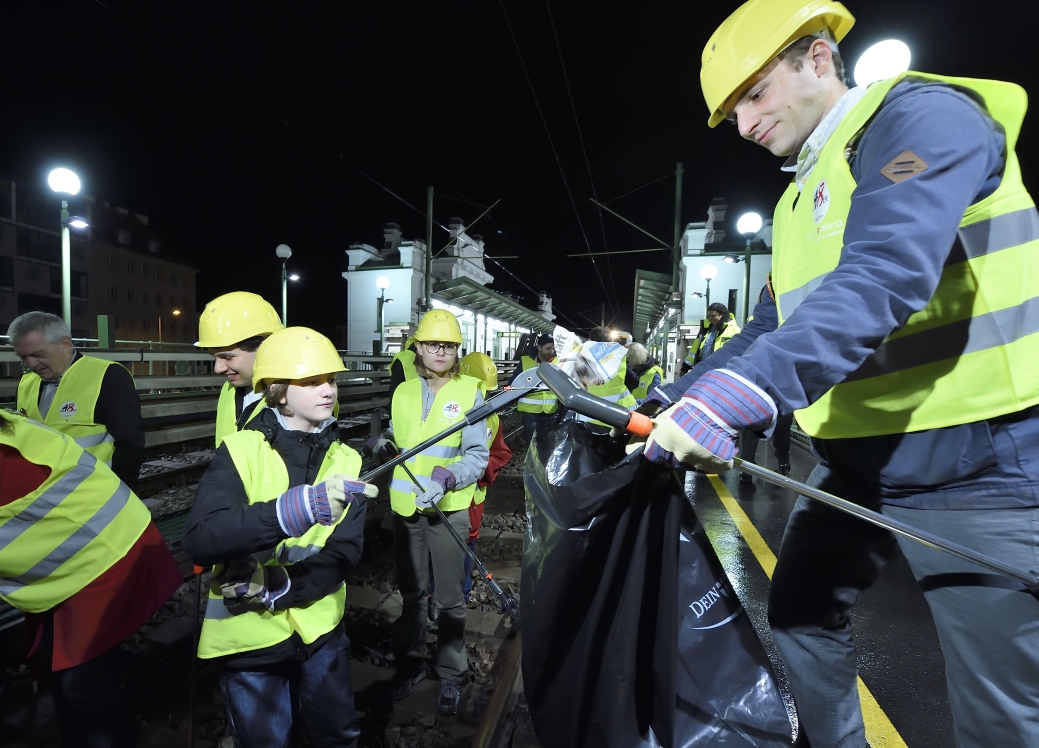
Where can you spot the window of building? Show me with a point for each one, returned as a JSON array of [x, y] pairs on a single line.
[[145, 323], [153, 246], [123, 237], [6, 272], [173, 303], [32, 272], [113, 293], [144, 297], [129, 295], [183, 280], [129, 323], [145, 271], [111, 263], [129, 267], [158, 299], [173, 278], [158, 274]]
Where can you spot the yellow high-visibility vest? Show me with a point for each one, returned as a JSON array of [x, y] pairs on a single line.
[[70, 530], [645, 380], [407, 362], [536, 402], [73, 409], [449, 406], [480, 494], [970, 353], [265, 478], [226, 422]]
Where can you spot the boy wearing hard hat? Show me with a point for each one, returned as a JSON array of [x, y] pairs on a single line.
[[232, 327], [447, 473], [280, 514], [904, 278]]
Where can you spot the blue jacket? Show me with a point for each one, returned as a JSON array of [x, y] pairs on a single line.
[[889, 270]]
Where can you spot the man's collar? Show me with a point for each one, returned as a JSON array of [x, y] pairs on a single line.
[[803, 163]]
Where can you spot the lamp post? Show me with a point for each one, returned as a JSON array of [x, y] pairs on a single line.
[[748, 224], [383, 283], [707, 272], [284, 252], [884, 59], [64, 181]]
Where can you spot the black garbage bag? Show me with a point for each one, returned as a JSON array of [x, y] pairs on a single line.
[[614, 653]]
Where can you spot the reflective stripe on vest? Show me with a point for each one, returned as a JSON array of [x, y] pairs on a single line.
[[449, 406], [614, 391], [226, 420], [536, 402], [979, 326], [74, 527], [72, 410], [228, 631]]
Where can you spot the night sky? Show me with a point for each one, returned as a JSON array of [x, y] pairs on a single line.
[[239, 126]]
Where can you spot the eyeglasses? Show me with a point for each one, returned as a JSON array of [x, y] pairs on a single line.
[[440, 347]]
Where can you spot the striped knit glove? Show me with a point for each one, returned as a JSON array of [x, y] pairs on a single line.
[[246, 582], [700, 430], [302, 507]]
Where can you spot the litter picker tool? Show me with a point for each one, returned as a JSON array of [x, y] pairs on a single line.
[[574, 397]]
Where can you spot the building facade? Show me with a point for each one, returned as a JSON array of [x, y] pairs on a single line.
[[120, 268]]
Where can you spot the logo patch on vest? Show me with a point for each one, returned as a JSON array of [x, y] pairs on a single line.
[[452, 409], [489, 433], [820, 202], [67, 410], [906, 164]]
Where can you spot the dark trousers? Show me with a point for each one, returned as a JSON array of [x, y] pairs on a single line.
[[780, 440], [533, 421], [259, 702]]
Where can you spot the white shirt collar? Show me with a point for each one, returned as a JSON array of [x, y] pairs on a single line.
[[805, 161]]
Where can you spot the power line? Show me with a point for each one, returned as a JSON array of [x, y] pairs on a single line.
[[647, 184], [584, 151], [552, 145]]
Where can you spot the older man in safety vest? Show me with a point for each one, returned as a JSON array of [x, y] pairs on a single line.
[[92, 400], [907, 339]]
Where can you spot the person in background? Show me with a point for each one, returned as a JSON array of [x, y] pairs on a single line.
[[447, 473], [644, 373], [481, 367], [719, 328], [92, 400], [280, 515], [537, 408], [79, 554], [231, 328], [614, 390], [402, 366]]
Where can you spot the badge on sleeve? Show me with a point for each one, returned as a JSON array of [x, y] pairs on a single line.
[[906, 164]]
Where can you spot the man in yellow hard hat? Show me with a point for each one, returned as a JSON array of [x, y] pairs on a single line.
[[232, 327], [906, 338]]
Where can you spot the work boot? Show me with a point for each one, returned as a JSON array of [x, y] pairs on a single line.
[[401, 684], [784, 468], [450, 695]]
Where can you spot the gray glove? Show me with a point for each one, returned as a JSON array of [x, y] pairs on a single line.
[[440, 482]]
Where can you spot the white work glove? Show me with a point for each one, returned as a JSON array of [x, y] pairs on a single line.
[[440, 482]]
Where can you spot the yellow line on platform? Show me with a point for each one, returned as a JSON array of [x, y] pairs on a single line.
[[879, 731]]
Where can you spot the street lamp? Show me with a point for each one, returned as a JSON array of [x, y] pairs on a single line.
[[748, 224], [383, 283], [284, 252], [884, 59], [707, 272], [64, 181]]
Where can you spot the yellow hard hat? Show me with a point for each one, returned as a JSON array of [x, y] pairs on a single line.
[[439, 325], [235, 317], [753, 35], [294, 353], [479, 366]]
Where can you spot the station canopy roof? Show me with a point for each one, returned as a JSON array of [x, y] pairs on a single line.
[[652, 291], [468, 293]]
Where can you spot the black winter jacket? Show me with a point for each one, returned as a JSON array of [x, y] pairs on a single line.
[[224, 526]]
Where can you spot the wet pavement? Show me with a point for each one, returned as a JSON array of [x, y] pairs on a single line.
[[900, 660]]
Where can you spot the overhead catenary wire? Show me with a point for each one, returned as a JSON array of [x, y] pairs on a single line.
[[630, 192], [584, 151], [552, 145]]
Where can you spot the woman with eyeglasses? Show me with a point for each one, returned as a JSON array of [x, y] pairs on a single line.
[[447, 473]]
